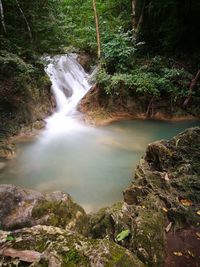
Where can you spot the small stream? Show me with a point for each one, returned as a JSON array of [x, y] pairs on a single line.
[[92, 164]]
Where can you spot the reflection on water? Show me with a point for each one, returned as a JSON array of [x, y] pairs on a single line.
[[94, 165]]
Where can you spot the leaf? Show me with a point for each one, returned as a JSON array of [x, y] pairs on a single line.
[[167, 229], [191, 253], [186, 202], [198, 212], [121, 236], [166, 177], [198, 234], [178, 253], [10, 238], [164, 209]]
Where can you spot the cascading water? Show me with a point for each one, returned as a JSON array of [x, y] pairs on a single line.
[[69, 85]]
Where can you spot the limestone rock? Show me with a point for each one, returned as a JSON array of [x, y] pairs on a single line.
[[24, 208], [52, 246]]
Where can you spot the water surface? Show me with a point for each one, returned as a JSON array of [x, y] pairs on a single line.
[[94, 165]]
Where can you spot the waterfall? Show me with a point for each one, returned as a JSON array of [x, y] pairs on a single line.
[[69, 85]]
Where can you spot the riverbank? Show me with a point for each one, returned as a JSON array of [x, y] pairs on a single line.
[[160, 207], [100, 108], [101, 117]]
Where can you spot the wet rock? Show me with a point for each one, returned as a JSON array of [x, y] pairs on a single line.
[[7, 150], [2, 165], [52, 246], [84, 60], [24, 208]]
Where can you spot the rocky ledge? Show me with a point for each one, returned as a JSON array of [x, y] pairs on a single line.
[[100, 108], [157, 224], [160, 215]]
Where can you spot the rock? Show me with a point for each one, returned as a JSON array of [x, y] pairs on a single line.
[[168, 174], [25, 208], [7, 150], [84, 60], [52, 246], [144, 223], [134, 194], [165, 191], [2, 165]]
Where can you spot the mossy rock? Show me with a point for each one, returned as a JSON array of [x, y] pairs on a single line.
[[149, 236], [24, 208], [52, 246], [164, 194]]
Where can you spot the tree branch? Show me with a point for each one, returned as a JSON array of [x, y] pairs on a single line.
[[2, 17], [27, 24], [192, 85]]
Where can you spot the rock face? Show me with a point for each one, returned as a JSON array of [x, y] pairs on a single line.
[[84, 60], [55, 247], [100, 107], [24, 208], [164, 196]]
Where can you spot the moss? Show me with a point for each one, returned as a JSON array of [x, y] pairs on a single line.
[[70, 249], [149, 234], [59, 213], [73, 258], [121, 260]]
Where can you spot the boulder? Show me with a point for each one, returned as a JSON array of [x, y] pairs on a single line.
[[25, 208]]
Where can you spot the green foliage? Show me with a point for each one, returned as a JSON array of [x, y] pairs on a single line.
[[156, 77], [124, 234], [11, 64], [118, 50], [37, 26], [10, 238]]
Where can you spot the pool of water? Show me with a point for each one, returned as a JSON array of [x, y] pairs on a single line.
[[94, 165]]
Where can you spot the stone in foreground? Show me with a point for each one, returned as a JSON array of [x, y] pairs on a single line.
[[56, 247]]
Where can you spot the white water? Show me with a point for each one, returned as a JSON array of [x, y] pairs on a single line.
[[69, 85]]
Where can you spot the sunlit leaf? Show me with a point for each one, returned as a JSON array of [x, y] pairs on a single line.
[[191, 253], [121, 236], [186, 202], [164, 209], [167, 229], [198, 234], [178, 253], [198, 212]]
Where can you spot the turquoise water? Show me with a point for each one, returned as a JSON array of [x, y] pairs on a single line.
[[94, 165]]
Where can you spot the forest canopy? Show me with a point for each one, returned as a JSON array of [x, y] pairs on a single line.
[[140, 39], [44, 26]]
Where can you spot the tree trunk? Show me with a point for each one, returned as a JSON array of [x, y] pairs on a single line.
[[26, 21], [2, 17], [192, 85], [134, 17], [97, 30], [140, 17]]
